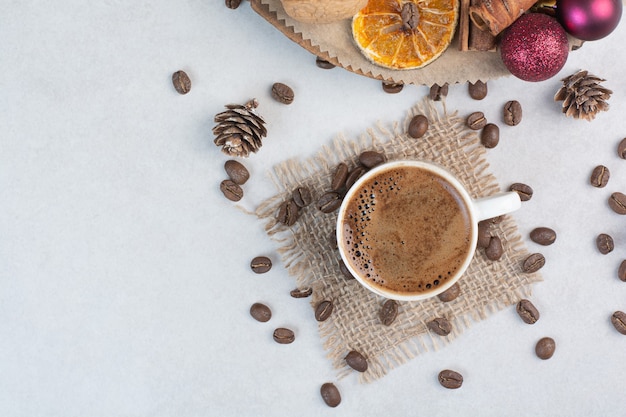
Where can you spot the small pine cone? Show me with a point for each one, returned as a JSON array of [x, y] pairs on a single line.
[[239, 129], [583, 96]]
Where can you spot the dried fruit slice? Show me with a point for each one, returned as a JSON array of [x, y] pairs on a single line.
[[405, 34]]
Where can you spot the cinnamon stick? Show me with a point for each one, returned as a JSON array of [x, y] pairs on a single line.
[[496, 15]]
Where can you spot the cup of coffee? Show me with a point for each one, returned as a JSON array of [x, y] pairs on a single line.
[[407, 230]]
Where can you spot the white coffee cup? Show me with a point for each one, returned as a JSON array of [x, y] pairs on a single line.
[[407, 230]]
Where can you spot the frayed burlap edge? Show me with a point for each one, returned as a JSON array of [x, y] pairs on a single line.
[[308, 252]]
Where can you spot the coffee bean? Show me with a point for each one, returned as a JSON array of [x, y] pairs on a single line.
[[621, 271], [233, 4], [284, 336], [418, 126], [344, 270], [527, 311], [545, 348], [261, 264], [477, 90], [437, 92], [388, 312], [392, 88], [354, 175], [260, 312], [282, 93], [512, 113], [490, 136], [451, 293], [329, 202], [476, 120], [181, 81], [494, 250], [356, 361], [323, 310], [621, 149], [543, 236], [484, 233], [370, 159], [450, 379], [333, 240], [617, 202], [231, 190], [323, 64], [288, 213], [301, 292], [533, 263], [330, 394], [619, 321], [302, 196], [525, 191], [605, 243], [600, 176], [440, 326], [339, 179], [236, 171]]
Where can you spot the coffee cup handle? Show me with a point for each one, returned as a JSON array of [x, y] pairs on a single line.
[[497, 205]]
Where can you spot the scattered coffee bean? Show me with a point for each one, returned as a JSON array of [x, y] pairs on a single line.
[[512, 113], [605, 243], [621, 149], [330, 394], [543, 236], [617, 202], [231, 190], [354, 175], [282, 93], [388, 312], [621, 271], [233, 4], [260, 312], [236, 171], [494, 250], [525, 191], [339, 179], [437, 92], [302, 196], [600, 176], [344, 270], [323, 310], [484, 233], [356, 361], [450, 379], [533, 263], [392, 88], [527, 311], [477, 90], [261, 264], [301, 292], [329, 202], [181, 81], [476, 120], [545, 348], [451, 293], [370, 159], [323, 64], [284, 336], [440, 326], [619, 321], [490, 136], [418, 126], [288, 213]]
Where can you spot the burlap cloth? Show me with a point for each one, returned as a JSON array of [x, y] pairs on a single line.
[[309, 256]]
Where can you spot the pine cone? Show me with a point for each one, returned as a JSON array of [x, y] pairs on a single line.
[[583, 96], [239, 129]]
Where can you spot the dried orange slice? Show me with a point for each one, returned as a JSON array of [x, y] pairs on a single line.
[[405, 34]]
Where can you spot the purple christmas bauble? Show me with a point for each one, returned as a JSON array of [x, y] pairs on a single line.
[[589, 20], [534, 47]]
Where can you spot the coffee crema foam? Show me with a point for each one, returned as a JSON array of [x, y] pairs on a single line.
[[406, 230]]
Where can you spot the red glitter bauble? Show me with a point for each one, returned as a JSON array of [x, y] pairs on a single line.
[[534, 47], [589, 20]]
